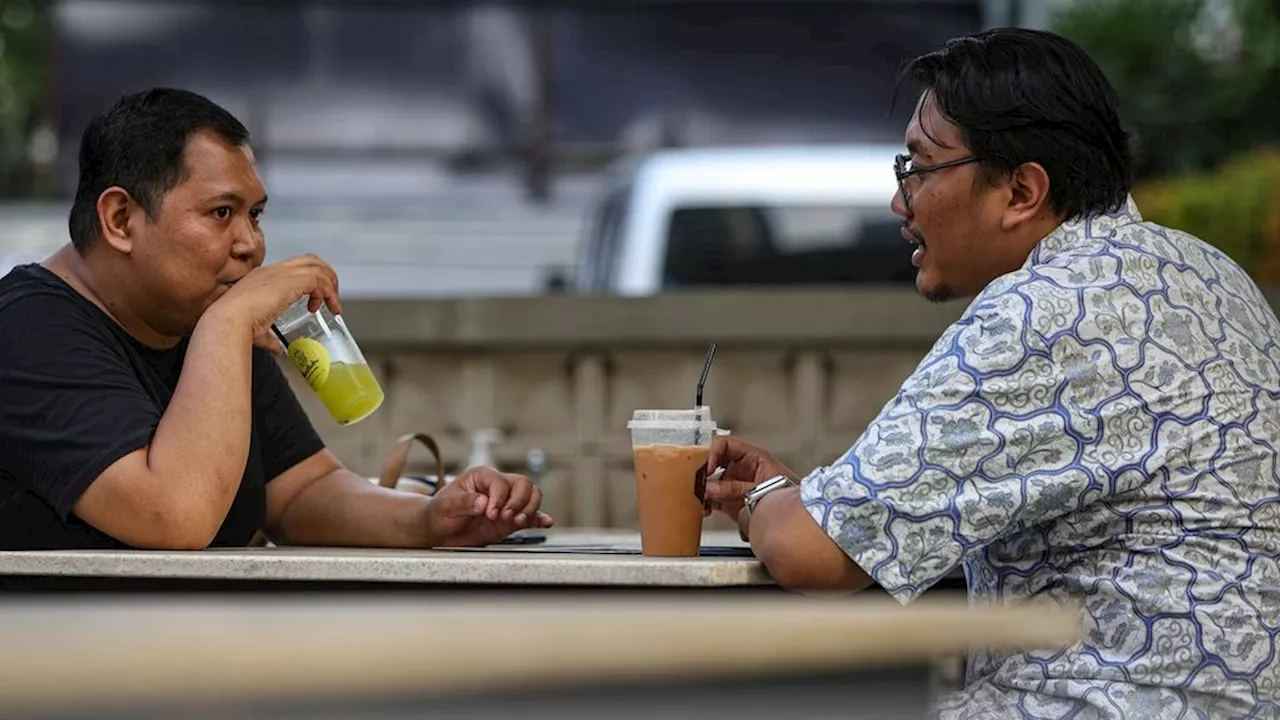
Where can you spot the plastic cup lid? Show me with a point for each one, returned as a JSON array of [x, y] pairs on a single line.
[[701, 414]]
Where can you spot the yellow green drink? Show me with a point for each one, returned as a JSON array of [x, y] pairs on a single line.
[[323, 350], [350, 393]]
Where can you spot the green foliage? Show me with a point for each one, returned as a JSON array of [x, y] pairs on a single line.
[[23, 78], [1194, 90], [1236, 209]]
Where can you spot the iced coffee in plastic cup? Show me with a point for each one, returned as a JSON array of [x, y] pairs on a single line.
[[670, 449]]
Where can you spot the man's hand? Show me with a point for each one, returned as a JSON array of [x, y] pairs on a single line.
[[482, 507], [264, 293], [745, 466]]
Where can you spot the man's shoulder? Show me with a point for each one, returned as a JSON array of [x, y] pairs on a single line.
[[29, 292], [20, 279], [1131, 262], [1164, 267], [1149, 255], [1169, 245], [1107, 249], [37, 309]]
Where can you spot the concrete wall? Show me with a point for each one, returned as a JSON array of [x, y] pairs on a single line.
[[800, 373]]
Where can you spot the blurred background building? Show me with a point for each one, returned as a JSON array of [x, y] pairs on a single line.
[[462, 147], [456, 148], [468, 148]]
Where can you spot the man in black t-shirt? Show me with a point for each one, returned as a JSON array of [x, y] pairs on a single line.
[[140, 405]]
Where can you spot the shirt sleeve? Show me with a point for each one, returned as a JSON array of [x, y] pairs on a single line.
[[70, 402], [998, 429], [283, 428]]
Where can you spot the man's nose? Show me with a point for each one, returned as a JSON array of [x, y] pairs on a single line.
[[899, 205], [248, 243]]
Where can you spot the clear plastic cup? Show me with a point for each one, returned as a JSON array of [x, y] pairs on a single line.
[[670, 450], [323, 350]]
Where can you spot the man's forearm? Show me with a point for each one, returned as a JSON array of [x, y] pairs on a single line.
[[344, 509], [197, 455]]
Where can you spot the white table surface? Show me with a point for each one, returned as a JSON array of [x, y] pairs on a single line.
[[568, 558]]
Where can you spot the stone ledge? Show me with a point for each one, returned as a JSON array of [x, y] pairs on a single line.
[[868, 317], [881, 317]]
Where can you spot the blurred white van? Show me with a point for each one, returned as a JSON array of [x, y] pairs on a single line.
[[746, 216]]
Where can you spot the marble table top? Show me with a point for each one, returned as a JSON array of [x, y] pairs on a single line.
[[568, 558]]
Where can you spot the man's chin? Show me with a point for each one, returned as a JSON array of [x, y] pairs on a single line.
[[932, 290]]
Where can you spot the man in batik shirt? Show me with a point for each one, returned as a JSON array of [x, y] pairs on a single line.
[[1099, 428]]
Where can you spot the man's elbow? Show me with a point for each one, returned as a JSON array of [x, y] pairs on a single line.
[[179, 540], [178, 525], [176, 530], [796, 573], [797, 568], [157, 511]]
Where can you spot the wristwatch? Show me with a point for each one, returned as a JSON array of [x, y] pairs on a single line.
[[777, 482]]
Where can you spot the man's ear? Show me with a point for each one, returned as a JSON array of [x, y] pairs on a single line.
[[1028, 194], [116, 212]]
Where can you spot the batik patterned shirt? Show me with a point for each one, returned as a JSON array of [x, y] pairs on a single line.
[[1098, 429]]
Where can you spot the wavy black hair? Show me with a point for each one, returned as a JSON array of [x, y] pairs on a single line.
[[1021, 95]]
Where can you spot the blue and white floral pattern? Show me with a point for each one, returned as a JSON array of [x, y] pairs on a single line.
[[1100, 429]]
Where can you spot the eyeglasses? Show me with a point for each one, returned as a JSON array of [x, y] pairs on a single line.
[[904, 168]]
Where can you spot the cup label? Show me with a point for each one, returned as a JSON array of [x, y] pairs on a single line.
[[312, 360]]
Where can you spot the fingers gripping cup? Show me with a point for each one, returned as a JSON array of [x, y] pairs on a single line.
[[323, 350], [670, 450]]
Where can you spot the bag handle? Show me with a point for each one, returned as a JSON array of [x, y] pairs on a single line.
[[399, 457]]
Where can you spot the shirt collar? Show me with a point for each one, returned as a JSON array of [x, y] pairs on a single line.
[[1072, 234]]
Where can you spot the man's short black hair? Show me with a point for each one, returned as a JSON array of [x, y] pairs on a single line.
[[138, 144], [1022, 95]]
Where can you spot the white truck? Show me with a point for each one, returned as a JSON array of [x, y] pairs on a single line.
[[746, 216]]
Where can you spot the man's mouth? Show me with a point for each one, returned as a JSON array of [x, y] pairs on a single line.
[[915, 238]]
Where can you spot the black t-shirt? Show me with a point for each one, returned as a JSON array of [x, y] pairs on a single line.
[[78, 393]]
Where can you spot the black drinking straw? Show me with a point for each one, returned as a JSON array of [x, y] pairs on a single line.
[[697, 404], [285, 343]]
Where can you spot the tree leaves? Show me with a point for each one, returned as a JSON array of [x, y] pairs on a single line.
[[1193, 92]]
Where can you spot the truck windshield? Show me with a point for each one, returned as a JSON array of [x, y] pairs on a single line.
[[785, 245]]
